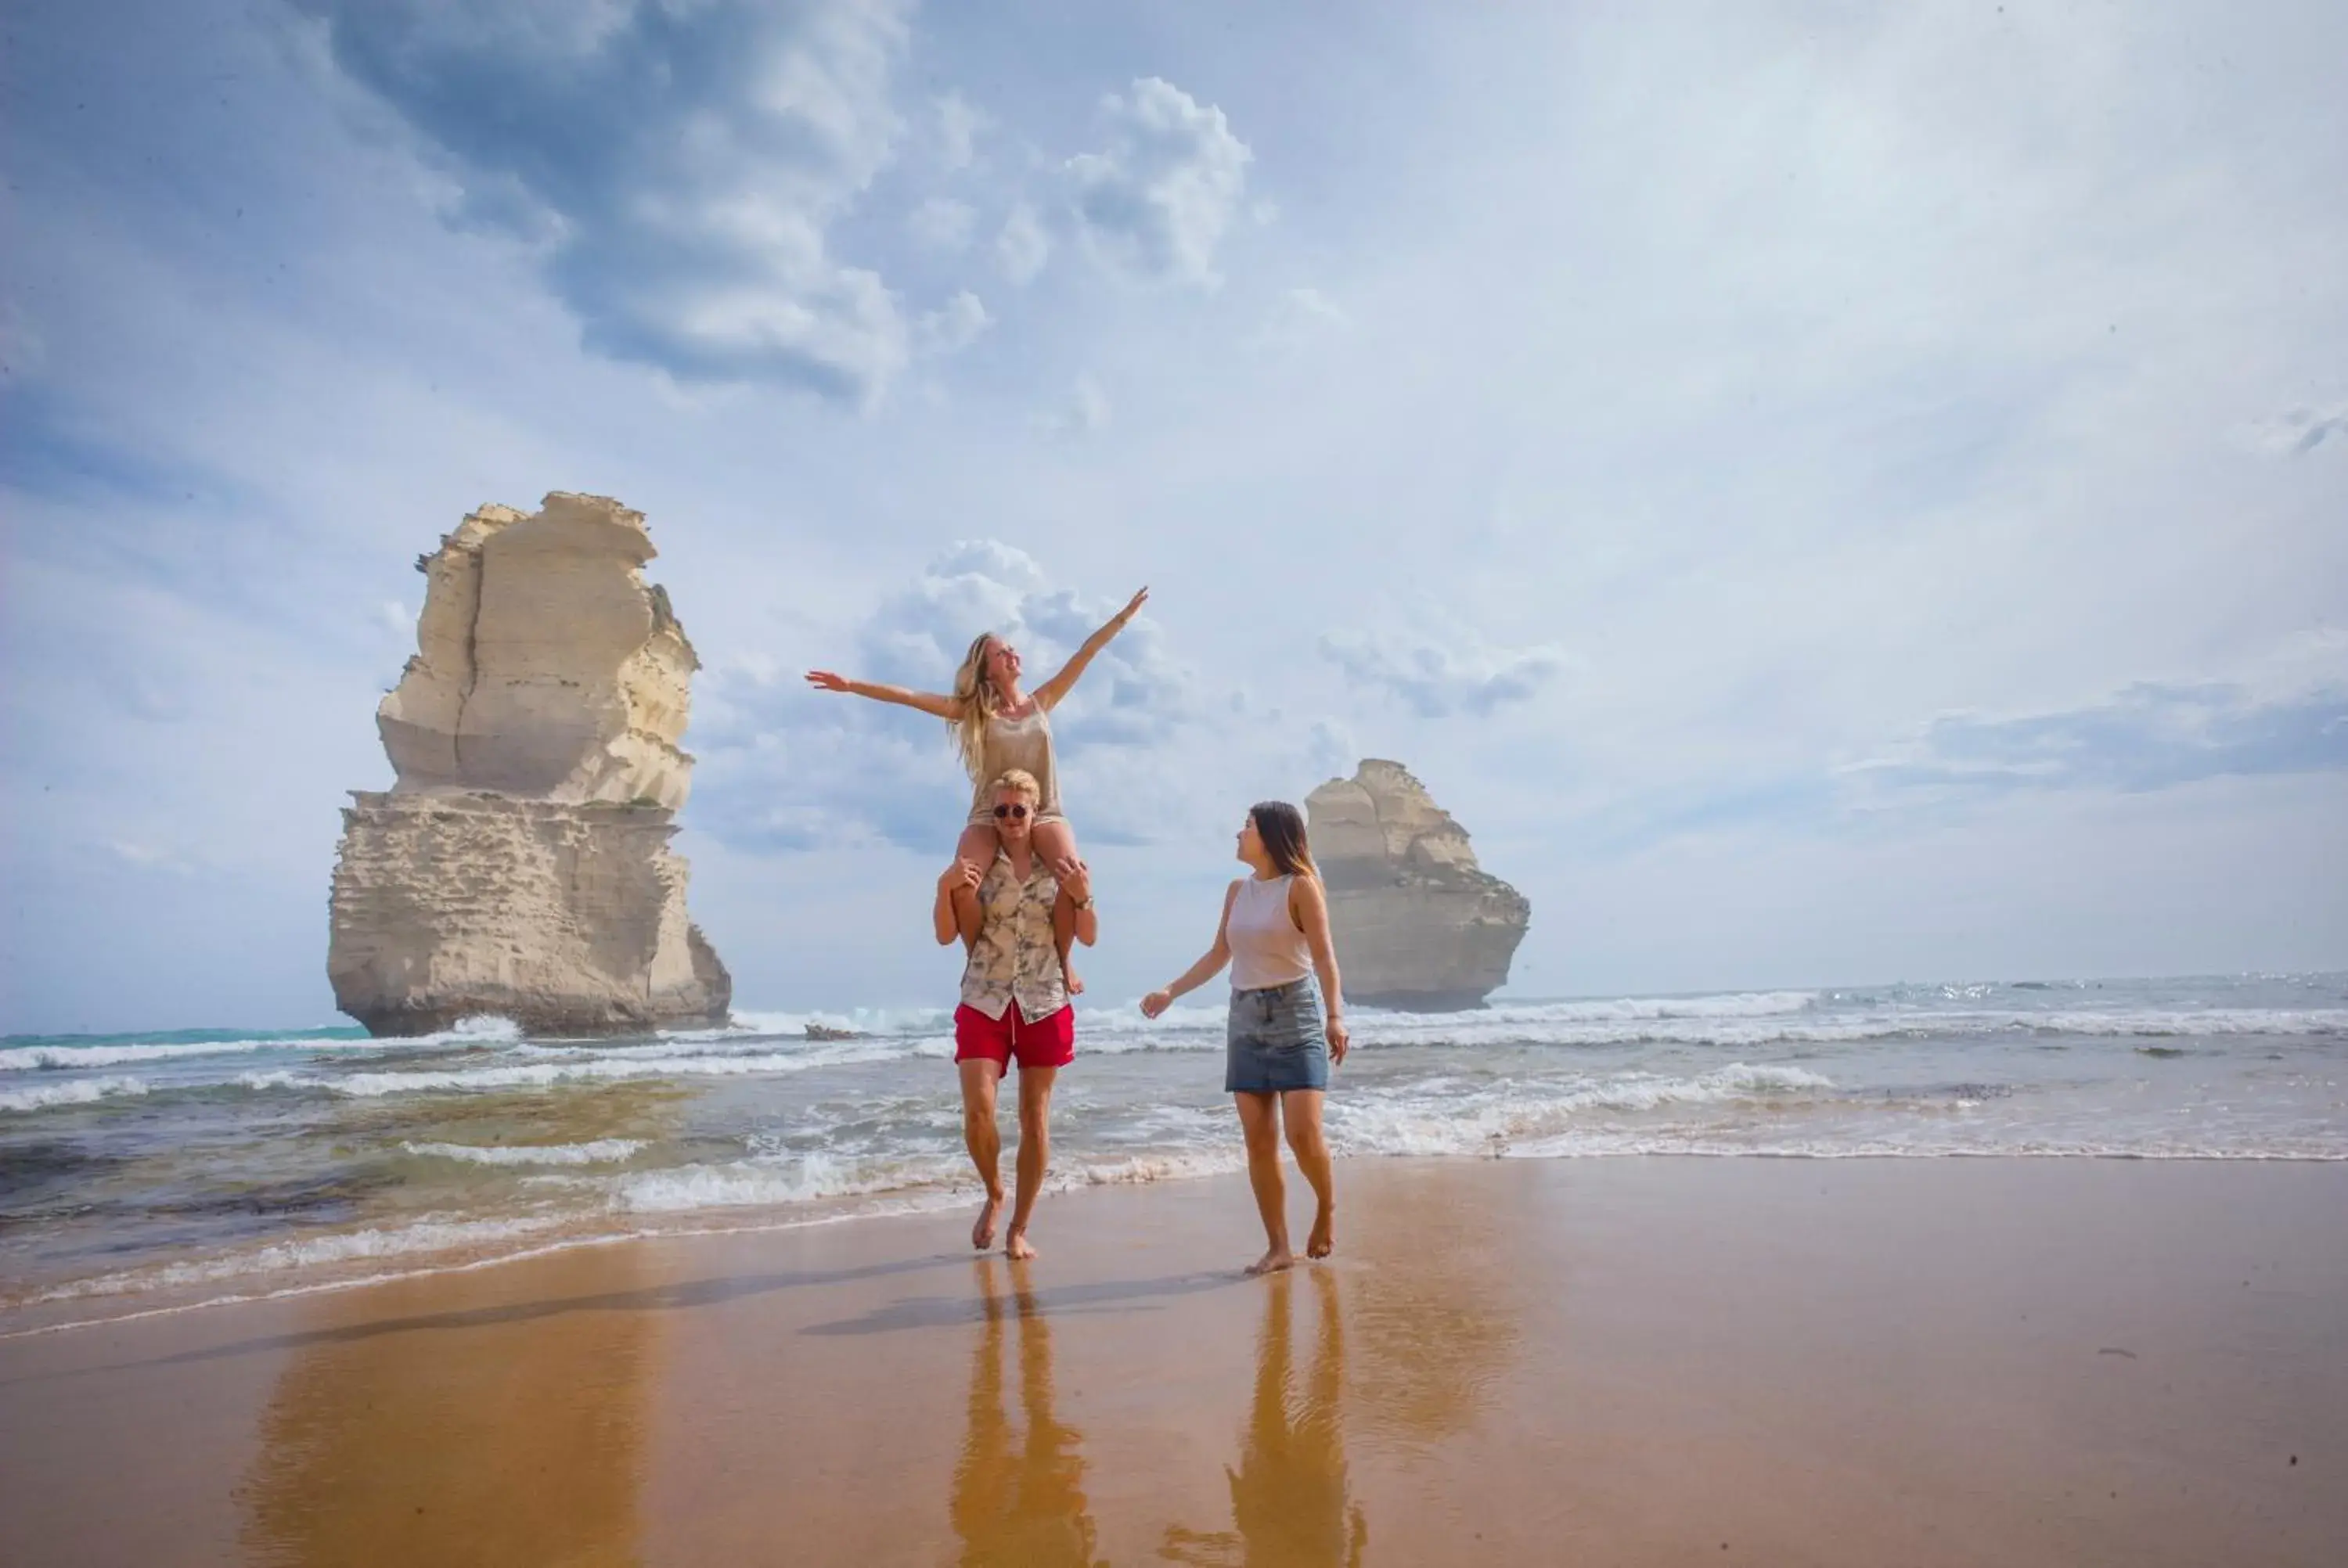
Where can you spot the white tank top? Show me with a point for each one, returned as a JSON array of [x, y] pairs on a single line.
[[1267, 950]]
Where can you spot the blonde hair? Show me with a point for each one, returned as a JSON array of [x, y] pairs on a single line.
[[1019, 779], [975, 702]]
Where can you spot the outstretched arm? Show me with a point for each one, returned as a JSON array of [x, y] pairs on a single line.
[[931, 702], [1205, 968], [1308, 905], [1050, 692]]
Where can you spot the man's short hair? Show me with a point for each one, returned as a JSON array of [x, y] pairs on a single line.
[[1021, 780]]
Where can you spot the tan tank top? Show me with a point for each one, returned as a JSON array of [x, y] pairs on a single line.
[[1022, 743]]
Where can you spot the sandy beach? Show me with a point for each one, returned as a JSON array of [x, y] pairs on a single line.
[[1636, 1360]]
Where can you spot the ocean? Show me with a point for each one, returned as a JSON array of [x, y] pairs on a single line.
[[148, 1172]]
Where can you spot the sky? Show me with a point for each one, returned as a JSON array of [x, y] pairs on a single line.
[[1825, 494]]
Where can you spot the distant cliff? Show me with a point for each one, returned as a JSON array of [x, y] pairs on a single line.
[[520, 866], [1417, 923]]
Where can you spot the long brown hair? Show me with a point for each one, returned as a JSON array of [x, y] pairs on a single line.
[[976, 701], [1282, 827]]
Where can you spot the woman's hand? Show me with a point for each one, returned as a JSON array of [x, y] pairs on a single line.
[[962, 873], [825, 681], [1156, 1002], [1340, 1038], [1133, 607]]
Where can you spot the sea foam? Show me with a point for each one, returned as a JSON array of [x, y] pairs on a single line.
[[81, 1092], [429, 1234], [600, 1151], [584, 1069]]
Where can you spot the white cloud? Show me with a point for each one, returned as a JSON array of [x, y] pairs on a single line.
[[1331, 750], [146, 857], [2303, 430], [1022, 247], [2313, 659], [2150, 736], [954, 325], [1085, 410], [682, 165], [1299, 316], [1156, 201], [942, 223], [958, 127], [1313, 305], [1442, 672]]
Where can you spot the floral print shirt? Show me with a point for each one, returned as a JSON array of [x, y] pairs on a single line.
[[1014, 958]]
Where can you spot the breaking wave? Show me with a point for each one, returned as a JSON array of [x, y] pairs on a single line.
[[432, 1234], [81, 1092], [580, 1068], [600, 1151], [70, 1055]]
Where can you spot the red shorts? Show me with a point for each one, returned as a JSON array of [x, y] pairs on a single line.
[[1049, 1041]]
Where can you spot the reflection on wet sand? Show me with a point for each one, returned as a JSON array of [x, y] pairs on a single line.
[[1289, 1497], [501, 1443], [1433, 1335], [1018, 1500]]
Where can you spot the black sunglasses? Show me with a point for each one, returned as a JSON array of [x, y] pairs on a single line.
[[1010, 811]]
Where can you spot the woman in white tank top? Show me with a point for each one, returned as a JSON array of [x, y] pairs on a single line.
[[1275, 935]]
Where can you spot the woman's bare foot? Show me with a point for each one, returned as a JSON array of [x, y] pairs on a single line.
[[1272, 1262], [1076, 986], [1016, 1248], [1323, 1240], [982, 1234]]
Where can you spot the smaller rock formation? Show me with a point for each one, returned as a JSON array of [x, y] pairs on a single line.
[[520, 865], [1417, 923]]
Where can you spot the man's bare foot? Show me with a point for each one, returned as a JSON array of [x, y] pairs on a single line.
[[982, 1234], [1015, 1247], [1323, 1240], [1272, 1262]]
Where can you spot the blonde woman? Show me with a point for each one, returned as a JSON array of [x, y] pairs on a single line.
[[1275, 935], [998, 726]]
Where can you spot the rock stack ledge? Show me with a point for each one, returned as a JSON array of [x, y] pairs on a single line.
[[520, 866], [1418, 924]]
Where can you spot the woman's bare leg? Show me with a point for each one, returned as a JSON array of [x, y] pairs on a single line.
[[1260, 1122], [1300, 1109], [1056, 841], [978, 844]]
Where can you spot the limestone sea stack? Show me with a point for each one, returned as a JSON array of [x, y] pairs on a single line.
[[520, 865], [1418, 925]]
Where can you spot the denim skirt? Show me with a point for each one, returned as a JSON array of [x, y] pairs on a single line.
[[1274, 1041]]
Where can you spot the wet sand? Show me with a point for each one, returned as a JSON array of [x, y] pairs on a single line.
[[1620, 1361]]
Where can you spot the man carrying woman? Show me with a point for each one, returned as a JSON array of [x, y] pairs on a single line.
[[1014, 994]]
